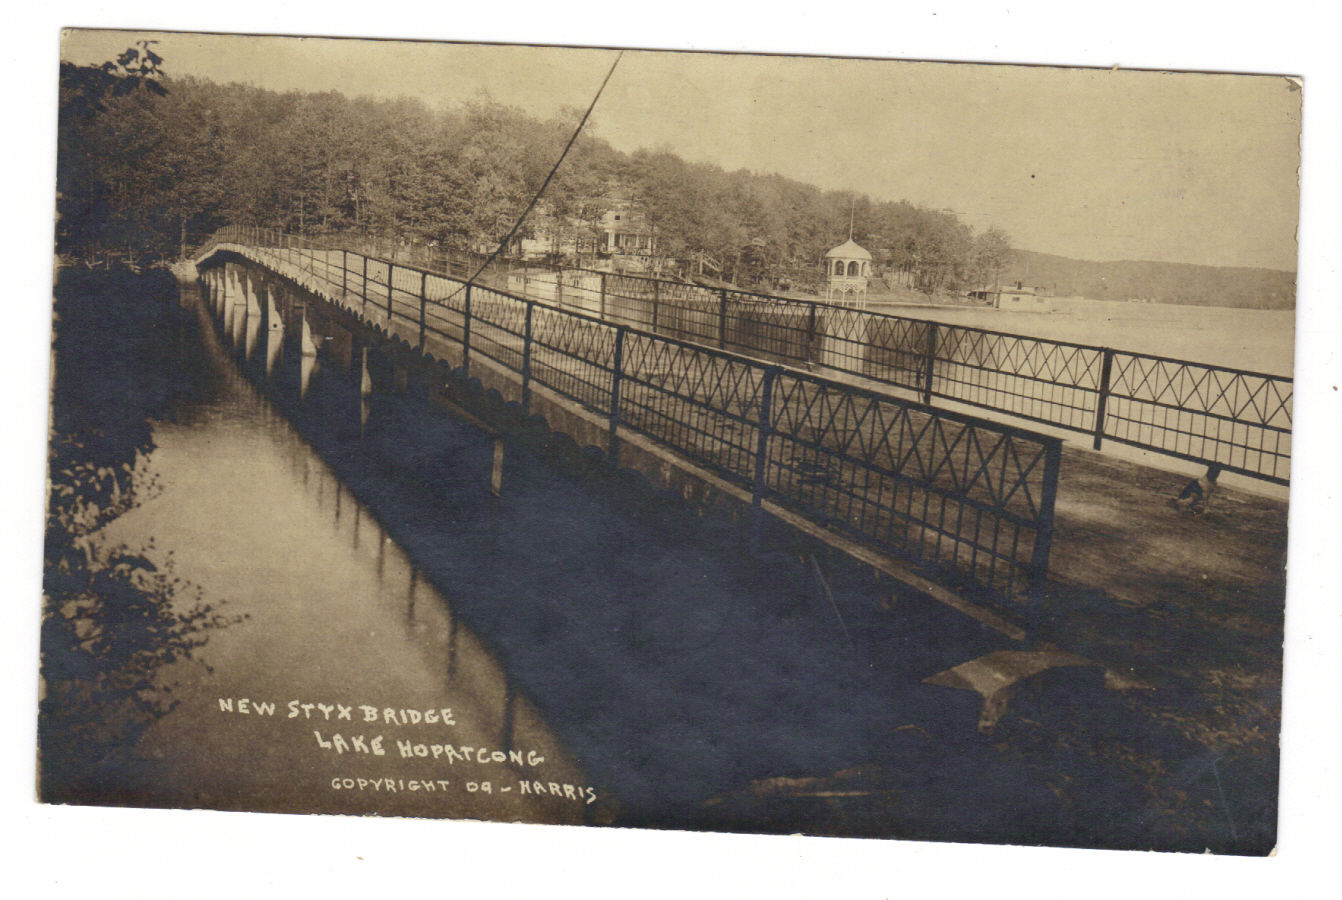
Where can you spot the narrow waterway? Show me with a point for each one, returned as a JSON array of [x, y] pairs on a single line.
[[343, 635]]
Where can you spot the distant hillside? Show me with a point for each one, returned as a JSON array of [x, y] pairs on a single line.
[[1159, 282]]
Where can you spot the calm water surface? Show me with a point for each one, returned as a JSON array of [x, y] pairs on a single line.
[[250, 514], [1259, 340]]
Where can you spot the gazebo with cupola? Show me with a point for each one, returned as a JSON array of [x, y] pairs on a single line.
[[847, 268]]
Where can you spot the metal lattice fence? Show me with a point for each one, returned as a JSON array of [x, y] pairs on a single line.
[[1238, 420], [1241, 421], [969, 499]]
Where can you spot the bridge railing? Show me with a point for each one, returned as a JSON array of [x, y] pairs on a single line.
[[1239, 419], [968, 499]]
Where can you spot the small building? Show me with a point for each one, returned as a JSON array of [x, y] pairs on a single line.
[[546, 238], [618, 235], [847, 268], [1017, 297], [626, 238]]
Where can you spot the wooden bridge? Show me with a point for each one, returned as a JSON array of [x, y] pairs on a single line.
[[956, 505], [959, 506], [1139, 403]]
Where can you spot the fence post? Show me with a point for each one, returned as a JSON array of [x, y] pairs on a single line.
[[1102, 400], [344, 274], [930, 364], [762, 456], [722, 319], [526, 361], [616, 366], [559, 286], [423, 301], [363, 289], [656, 300], [1043, 538], [466, 334], [603, 296], [811, 349], [390, 268]]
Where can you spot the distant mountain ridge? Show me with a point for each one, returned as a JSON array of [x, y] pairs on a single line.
[[1157, 282]]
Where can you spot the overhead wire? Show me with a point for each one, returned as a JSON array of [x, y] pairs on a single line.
[[548, 178]]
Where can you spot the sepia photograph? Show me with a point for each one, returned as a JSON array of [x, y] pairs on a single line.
[[723, 442]]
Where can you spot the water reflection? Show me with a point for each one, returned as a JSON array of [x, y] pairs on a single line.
[[427, 621], [253, 303], [365, 391], [337, 612]]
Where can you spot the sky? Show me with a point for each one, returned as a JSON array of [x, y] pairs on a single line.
[[1089, 163]]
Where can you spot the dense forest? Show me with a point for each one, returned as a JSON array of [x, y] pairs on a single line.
[[1154, 282], [150, 163]]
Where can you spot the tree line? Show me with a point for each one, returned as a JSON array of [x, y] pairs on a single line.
[[149, 164], [1154, 282]]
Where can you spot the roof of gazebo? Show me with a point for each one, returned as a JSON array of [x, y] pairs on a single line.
[[849, 249]]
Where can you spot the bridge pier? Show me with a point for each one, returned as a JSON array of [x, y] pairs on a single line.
[[238, 313], [307, 367], [251, 289], [274, 331], [365, 377], [365, 391], [226, 301], [496, 474], [307, 347], [235, 303], [206, 282]]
